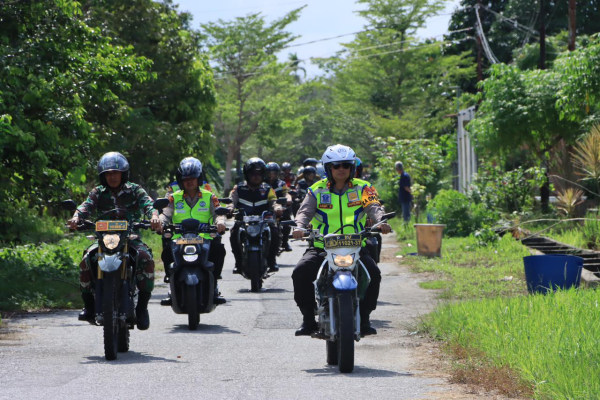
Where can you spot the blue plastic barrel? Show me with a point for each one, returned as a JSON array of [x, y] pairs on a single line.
[[549, 272]]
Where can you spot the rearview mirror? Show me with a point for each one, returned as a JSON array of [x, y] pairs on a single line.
[[68, 205], [389, 215], [287, 223], [159, 204], [222, 211], [225, 200], [281, 200]]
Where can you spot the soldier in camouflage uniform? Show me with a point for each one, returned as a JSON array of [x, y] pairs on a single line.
[[131, 203]]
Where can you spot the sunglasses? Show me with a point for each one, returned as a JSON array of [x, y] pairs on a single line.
[[343, 165]]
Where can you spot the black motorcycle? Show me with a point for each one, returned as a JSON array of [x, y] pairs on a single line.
[[255, 238], [191, 275], [115, 291]]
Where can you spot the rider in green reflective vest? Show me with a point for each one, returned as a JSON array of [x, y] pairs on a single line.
[[195, 202]]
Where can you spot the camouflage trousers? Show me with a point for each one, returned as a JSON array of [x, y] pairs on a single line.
[[144, 266]]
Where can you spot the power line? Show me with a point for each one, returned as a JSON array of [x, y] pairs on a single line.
[[255, 70], [486, 46]]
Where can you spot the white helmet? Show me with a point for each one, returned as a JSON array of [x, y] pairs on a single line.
[[338, 154]]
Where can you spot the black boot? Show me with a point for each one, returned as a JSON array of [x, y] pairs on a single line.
[[141, 311], [88, 312], [168, 301], [218, 299], [365, 326], [308, 323], [273, 268]]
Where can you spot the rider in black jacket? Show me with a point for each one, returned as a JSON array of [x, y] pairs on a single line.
[[252, 197]]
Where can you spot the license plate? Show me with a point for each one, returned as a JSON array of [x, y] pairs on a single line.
[[103, 226], [198, 240], [342, 241]]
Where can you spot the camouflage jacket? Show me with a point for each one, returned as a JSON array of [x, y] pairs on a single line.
[[131, 202]]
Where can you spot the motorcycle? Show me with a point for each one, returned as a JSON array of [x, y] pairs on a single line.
[[115, 291], [191, 279], [342, 281], [255, 239]]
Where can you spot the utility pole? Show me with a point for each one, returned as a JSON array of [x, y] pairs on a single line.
[[542, 63], [545, 189], [572, 24]]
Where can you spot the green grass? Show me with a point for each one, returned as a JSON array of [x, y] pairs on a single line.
[[471, 271], [551, 340], [545, 347]]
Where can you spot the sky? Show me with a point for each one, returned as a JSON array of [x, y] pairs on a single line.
[[320, 19]]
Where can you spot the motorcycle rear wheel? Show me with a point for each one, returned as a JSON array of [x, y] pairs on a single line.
[[191, 304], [110, 314], [345, 340]]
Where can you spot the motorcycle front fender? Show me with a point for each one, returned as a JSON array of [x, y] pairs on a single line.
[[344, 281]]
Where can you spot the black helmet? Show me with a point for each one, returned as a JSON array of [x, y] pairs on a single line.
[[286, 166], [189, 167], [310, 161], [273, 167], [254, 164], [113, 161], [309, 170]]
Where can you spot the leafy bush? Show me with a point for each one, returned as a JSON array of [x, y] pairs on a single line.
[[40, 276], [25, 225], [460, 215], [508, 191], [591, 231]]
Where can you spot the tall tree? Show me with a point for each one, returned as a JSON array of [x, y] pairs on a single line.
[[170, 116], [256, 93], [60, 81]]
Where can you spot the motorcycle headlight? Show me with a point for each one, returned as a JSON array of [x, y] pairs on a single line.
[[111, 241], [190, 257], [343, 261], [253, 230]]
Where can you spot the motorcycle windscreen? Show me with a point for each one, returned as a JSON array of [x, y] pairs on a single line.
[[344, 280]]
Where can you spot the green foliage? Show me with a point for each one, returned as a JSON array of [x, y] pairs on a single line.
[[508, 191], [61, 81], [461, 216], [170, 115], [422, 159], [541, 337], [591, 231], [40, 276], [519, 109]]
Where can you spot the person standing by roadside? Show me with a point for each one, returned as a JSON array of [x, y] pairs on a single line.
[[404, 191]]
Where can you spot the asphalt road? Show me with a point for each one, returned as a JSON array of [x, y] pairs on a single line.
[[245, 349]]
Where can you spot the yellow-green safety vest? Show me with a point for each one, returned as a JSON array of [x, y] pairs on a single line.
[[200, 212], [334, 210]]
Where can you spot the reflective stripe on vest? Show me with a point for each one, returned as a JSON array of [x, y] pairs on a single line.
[[339, 213], [200, 211]]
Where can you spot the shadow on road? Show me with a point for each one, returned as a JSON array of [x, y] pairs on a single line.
[[359, 372], [265, 290], [131, 357], [203, 329]]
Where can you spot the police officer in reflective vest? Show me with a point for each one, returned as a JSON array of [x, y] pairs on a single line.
[[198, 203], [331, 205]]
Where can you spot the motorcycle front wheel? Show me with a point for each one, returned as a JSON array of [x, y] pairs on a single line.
[[191, 300], [110, 315], [345, 339], [254, 271]]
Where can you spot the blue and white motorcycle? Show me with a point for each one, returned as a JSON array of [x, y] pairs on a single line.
[[341, 282]]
